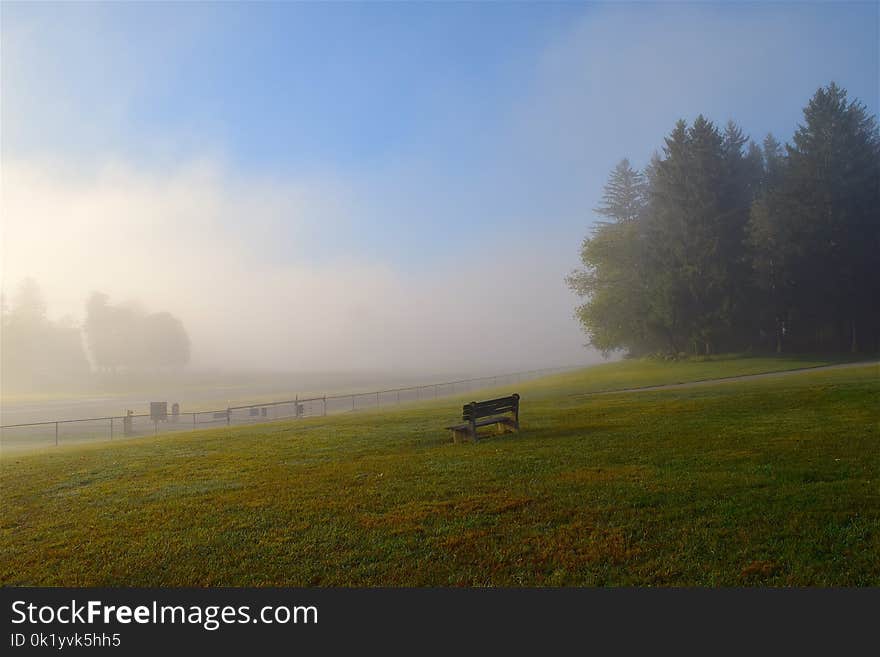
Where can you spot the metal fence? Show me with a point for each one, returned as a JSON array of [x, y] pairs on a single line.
[[52, 433]]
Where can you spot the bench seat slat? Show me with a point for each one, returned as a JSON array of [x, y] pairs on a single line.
[[500, 404], [482, 412], [487, 407], [476, 410]]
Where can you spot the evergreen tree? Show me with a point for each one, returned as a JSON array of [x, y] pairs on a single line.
[[623, 198], [695, 235], [773, 249], [822, 220], [722, 244], [834, 170], [612, 280]]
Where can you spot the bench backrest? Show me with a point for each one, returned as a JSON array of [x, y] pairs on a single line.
[[476, 410]]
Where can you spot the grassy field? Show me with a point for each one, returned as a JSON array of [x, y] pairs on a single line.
[[770, 481]]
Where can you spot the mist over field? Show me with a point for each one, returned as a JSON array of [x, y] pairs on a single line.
[[379, 202], [193, 243]]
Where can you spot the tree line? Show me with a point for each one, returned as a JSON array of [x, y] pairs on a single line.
[[720, 244], [37, 352]]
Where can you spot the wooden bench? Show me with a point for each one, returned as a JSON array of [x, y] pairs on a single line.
[[486, 413]]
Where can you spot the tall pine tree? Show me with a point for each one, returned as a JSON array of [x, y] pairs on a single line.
[[612, 280]]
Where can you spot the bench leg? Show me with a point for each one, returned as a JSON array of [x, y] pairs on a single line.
[[464, 435], [459, 435]]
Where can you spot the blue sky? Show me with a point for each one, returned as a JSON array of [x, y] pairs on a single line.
[[392, 138], [292, 86]]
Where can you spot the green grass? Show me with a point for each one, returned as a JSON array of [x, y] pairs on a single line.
[[642, 373], [770, 481]]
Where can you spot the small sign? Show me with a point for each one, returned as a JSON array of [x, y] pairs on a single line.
[[158, 411]]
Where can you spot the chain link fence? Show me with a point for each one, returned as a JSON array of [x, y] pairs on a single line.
[[31, 435]]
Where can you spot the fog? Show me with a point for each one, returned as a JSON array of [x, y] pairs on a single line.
[[201, 245], [351, 227]]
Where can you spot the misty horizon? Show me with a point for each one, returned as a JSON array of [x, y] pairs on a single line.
[[318, 219]]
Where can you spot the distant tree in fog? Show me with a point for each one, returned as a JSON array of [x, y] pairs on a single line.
[[165, 340], [29, 303], [36, 352], [104, 333], [126, 337]]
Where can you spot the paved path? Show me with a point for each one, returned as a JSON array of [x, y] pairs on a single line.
[[742, 377]]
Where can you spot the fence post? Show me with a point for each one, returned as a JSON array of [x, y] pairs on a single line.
[[228, 415], [435, 391], [398, 395], [194, 421], [325, 405], [352, 402], [111, 428], [377, 398], [56, 434]]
